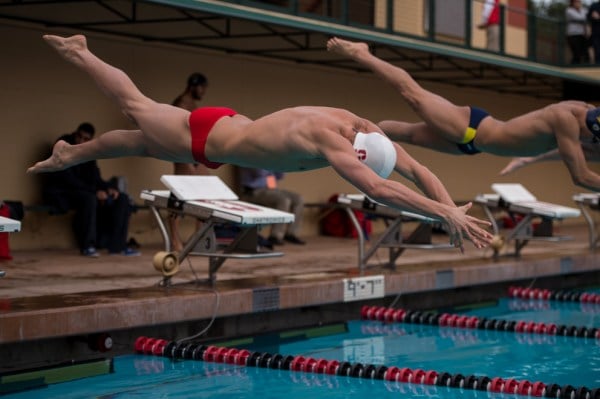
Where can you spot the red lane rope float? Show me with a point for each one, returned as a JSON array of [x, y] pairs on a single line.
[[243, 357], [390, 315], [548, 295]]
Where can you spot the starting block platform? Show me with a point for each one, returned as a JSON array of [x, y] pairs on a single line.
[[589, 202], [208, 199], [523, 207], [8, 225], [391, 238]]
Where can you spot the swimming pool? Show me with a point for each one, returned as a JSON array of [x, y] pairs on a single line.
[[558, 359]]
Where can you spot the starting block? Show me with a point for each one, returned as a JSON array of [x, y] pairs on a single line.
[[587, 202], [8, 225], [208, 199], [392, 238], [517, 200]]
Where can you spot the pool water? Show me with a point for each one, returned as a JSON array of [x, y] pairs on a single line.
[[523, 356]]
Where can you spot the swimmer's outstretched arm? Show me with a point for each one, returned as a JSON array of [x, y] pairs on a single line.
[[591, 152], [572, 154], [433, 188], [420, 175], [398, 196], [521, 162]]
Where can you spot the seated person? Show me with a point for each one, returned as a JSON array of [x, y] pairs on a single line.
[[101, 212], [260, 187]]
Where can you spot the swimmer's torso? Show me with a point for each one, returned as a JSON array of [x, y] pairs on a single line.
[[532, 133], [292, 139]]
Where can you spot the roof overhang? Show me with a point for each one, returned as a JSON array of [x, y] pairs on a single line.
[[275, 34]]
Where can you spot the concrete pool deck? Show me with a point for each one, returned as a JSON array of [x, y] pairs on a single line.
[[51, 295]]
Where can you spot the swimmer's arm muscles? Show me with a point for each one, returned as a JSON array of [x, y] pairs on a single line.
[[388, 192], [591, 151], [572, 153], [427, 182]]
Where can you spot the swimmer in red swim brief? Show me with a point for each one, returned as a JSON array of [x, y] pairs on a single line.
[[201, 122], [292, 139]]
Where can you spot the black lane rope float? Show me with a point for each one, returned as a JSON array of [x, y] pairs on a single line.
[[462, 335], [391, 315], [548, 295], [244, 357]]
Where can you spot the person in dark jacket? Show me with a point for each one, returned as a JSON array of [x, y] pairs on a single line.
[[593, 16], [102, 212]]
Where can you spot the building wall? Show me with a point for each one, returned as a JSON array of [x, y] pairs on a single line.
[[44, 97], [410, 18]]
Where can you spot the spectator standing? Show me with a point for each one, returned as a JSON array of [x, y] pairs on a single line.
[[195, 89], [260, 186], [576, 30], [101, 212], [490, 21], [593, 16]]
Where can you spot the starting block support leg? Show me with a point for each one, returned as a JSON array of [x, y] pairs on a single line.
[[246, 241], [520, 233], [162, 228], [420, 235], [363, 257], [592, 226], [392, 237], [361, 240]]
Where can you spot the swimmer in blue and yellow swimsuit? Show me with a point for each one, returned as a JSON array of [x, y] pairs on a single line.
[[467, 144]]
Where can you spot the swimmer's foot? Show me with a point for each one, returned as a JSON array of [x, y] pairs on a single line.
[[347, 48], [56, 162], [69, 48]]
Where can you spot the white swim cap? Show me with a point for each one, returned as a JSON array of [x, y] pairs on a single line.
[[376, 151]]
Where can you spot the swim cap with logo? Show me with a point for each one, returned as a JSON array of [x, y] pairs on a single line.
[[592, 121], [376, 151]]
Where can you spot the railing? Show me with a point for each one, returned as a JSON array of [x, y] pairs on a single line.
[[523, 34]]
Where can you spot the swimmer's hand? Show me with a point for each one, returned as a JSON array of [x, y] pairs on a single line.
[[462, 225], [516, 163]]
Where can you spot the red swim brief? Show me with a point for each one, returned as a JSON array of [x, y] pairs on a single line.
[[201, 122]]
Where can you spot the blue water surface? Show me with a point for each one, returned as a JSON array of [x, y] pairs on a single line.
[[549, 359]]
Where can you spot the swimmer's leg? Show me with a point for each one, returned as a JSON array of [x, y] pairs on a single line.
[[446, 118], [418, 134], [113, 144], [165, 127], [113, 82]]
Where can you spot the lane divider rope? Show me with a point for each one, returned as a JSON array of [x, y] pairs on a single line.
[[548, 295], [244, 357], [390, 315]]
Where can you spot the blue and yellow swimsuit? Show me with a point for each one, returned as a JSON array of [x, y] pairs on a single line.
[[466, 145]]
